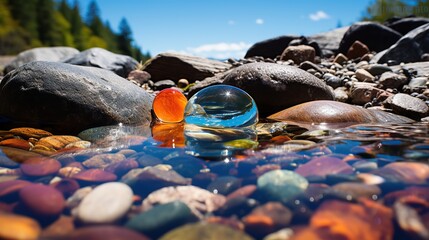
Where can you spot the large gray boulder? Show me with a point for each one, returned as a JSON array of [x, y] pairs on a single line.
[[175, 66], [101, 58], [275, 87], [329, 41], [270, 48], [375, 36], [68, 99], [51, 54], [409, 48], [404, 25]]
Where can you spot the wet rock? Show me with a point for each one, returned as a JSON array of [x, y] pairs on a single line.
[[270, 48], [245, 191], [321, 166], [406, 24], [59, 229], [357, 50], [114, 196], [298, 54], [161, 219], [102, 99], [106, 232], [101, 58], [153, 178], [281, 185], [41, 166], [121, 168], [56, 142], [357, 190], [409, 106], [103, 160], [224, 185], [18, 227], [41, 200], [409, 172], [283, 83], [208, 230], [307, 65], [27, 133], [199, 200], [368, 220], [410, 222], [266, 219], [335, 114], [16, 143], [364, 76], [392, 80], [238, 206], [9, 190], [177, 66], [94, 176], [66, 186], [52, 54], [365, 32]]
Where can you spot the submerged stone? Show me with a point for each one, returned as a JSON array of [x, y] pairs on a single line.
[[335, 114], [281, 185]]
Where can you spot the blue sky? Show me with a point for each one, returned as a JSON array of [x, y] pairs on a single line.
[[221, 28]]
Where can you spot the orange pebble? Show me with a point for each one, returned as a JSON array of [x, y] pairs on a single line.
[[169, 105]]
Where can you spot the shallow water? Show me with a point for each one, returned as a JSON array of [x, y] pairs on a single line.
[[384, 161]]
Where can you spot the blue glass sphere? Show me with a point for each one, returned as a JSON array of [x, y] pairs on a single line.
[[221, 106]]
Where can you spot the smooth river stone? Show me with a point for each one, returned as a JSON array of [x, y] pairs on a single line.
[[161, 219], [409, 172], [18, 155], [41, 166], [16, 143], [281, 185], [169, 105], [106, 232], [42, 200], [103, 160], [107, 203], [197, 231], [27, 133], [321, 166], [336, 114], [18, 227], [57, 142], [95, 176], [10, 188]]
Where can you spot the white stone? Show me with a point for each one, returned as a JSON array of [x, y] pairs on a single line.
[[107, 203]]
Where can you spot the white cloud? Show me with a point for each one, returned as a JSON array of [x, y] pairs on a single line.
[[259, 21], [220, 50], [231, 22], [319, 15]]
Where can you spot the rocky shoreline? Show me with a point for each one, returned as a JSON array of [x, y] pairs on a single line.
[[83, 157]]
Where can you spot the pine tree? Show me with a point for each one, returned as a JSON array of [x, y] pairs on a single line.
[[65, 10], [125, 38], [24, 12], [93, 19], [77, 27]]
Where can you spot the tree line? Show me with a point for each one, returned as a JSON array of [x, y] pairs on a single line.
[[382, 10], [26, 24]]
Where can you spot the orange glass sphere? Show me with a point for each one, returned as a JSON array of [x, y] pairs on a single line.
[[169, 134], [169, 105]]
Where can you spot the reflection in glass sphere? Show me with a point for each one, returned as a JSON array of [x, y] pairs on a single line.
[[221, 106]]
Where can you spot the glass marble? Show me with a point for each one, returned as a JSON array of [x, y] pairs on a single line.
[[221, 106], [169, 105]]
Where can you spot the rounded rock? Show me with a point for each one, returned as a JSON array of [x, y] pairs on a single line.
[[40, 166], [18, 227], [42, 200], [281, 185], [107, 203], [288, 85]]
